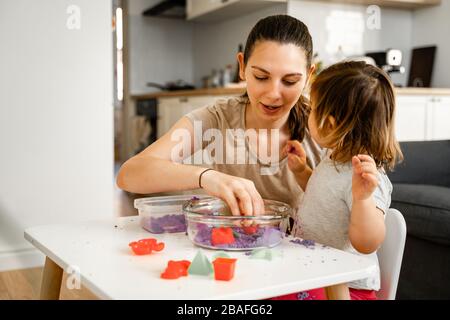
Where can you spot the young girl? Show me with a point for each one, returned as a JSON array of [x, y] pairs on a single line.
[[348, 194]]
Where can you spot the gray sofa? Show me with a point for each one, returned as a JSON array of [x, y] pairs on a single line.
[[422, 194]]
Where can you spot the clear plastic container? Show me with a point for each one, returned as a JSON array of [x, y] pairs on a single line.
[[163, 214], [211, 225]]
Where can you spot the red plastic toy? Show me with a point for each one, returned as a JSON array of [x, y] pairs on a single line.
[[176, 269], [250, 230], [146, 246], [224, 268], [223, 235]]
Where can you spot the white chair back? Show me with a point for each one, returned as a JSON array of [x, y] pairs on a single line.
[[390, 254]]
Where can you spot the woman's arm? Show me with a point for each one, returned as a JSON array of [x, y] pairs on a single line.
[[153, 170], [367, 228]]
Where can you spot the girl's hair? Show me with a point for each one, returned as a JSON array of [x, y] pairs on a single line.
[[285, 30], [361, 99]]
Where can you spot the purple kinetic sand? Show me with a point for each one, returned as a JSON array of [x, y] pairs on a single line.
[[263, 237], [306, 243], [167, 223]]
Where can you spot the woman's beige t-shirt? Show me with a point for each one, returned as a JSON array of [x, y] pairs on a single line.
[[281, 184]]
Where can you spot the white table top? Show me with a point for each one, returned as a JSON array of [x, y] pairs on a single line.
[[111, 271]]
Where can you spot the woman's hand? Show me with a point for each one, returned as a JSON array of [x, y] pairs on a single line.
[[240, 194], [364, 179], [296, 156]]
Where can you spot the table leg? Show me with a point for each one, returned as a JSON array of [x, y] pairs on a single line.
[[338, 292], [51, 280]]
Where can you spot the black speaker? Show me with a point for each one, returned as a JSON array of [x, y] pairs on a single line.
[[422, 64]]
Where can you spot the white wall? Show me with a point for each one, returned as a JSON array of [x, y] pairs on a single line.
[[431, 26], [216, 44], [56, 118], [160, 48], [395, 31]]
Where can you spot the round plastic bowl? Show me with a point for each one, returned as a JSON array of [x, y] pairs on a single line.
[[211, 225]]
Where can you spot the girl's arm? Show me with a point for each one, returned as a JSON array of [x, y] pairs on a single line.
[[367, 228], [302, 178], [297, 163], [153, 170]]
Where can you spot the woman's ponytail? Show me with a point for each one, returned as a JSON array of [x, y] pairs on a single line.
[[298, 119]]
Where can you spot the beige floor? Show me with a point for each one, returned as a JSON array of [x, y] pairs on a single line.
[[25, 285]]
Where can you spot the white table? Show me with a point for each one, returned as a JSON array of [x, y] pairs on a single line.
[[99, 249]]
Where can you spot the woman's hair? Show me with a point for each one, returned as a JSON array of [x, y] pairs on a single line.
[[361, 99], [285, 29]]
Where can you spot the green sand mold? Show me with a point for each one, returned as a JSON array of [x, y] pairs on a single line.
[[265, 254], [201, 265], [220, 254]]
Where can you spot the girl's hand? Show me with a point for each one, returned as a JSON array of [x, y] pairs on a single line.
[[364, 179], [296, 156], [240, 194]]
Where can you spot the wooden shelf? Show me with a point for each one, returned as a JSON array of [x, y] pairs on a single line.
[[238, 91], [423, 91], [190, 93]]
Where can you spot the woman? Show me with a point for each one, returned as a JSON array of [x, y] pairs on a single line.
[[276, 64]]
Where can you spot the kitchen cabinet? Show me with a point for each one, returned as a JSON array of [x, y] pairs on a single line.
[[418, 117], [421, 113], [172, 109], [405, 4], [421, 118], [197, 8], [439, 118], [411, 116], [216, 10]]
